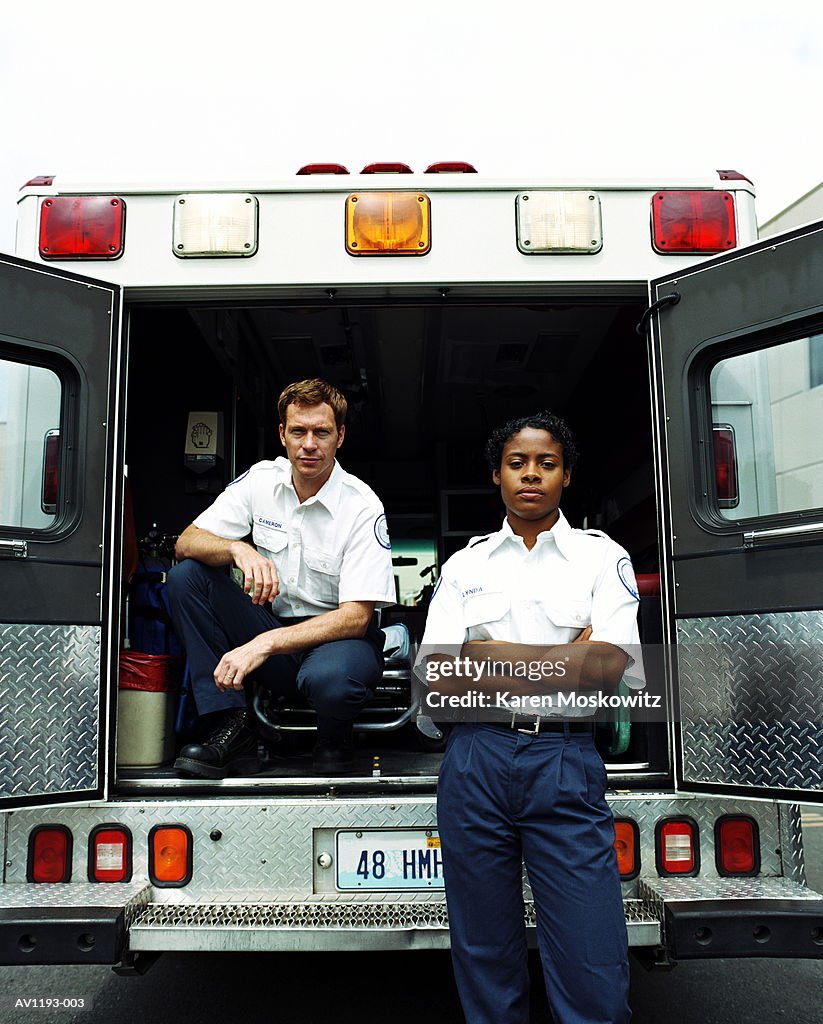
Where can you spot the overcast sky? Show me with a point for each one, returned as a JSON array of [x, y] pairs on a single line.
[[193, 91]]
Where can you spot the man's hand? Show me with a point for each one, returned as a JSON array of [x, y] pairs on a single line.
[[261, 580], [236, 665]]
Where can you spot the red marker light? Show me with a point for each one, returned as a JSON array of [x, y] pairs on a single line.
[[451, 167], [323, 169], [693, 222], [49, 854], [725, 466], [737, 845], [82, 227], [51, 472], [386, 169], [42, 180]]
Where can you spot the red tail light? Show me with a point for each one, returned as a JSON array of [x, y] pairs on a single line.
[[386, 169], [627, 847], [677, 847], [82, 227], [323, 169], [693, 222], [49, 854], [51, 472], [737, 845], [110, 854], [450, 167]]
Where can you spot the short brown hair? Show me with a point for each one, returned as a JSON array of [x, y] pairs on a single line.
[[313, 392]]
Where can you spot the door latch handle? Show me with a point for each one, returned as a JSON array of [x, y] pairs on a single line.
[[14, 549]]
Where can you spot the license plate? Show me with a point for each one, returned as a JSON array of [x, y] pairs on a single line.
[[389, 859]]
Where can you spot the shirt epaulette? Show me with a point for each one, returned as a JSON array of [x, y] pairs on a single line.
[[481, 540], [594, 533]]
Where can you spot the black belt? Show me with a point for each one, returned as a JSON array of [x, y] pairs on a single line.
[[534, 725]]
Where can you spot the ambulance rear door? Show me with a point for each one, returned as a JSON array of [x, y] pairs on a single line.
[[59, 536], [737, 364]]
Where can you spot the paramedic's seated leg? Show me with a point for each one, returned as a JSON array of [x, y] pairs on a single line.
[[212, 615]]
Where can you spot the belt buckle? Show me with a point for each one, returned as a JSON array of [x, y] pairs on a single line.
[[534, 731]]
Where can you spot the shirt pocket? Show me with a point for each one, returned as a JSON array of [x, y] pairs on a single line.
[[322, 575], [482, 610], [569, 612], [268, 540]]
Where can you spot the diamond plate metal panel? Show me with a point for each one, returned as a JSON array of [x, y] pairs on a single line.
[[50, 698], [266, 848], [132, 896], [752, 700]]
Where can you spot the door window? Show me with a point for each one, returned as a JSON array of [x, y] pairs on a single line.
[[30, 402], [767, 413]]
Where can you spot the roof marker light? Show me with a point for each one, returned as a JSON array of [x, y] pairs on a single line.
[[693, 222], [450, 167], [82, 227], [42, 180], [388, 224], [558, 223], [217, 224], [323, 169], [386, 169]]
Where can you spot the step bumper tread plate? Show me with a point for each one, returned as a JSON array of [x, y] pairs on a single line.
[[315, 925], [68, 923], [736, 917]]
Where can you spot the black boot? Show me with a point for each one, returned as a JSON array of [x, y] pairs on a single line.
[[232, 740]]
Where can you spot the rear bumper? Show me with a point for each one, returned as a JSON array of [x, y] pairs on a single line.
[[702, 920]]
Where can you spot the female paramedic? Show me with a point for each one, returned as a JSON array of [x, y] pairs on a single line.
[[527, 785]]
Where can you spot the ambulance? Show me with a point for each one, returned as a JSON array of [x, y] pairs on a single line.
[[145, 333]]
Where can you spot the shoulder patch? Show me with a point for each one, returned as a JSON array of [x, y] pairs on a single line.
[[481, 540], [381, 531], [625, 573]]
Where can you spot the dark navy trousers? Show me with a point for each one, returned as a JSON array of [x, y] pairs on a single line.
[[505, 798], [212, 615]]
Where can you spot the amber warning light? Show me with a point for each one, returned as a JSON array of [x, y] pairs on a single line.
[[388, 224]]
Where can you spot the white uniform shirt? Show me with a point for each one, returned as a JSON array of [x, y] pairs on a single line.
[[496, 589], [334, 547]]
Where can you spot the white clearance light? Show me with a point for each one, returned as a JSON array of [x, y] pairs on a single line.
[[558, 222], [215, 224]]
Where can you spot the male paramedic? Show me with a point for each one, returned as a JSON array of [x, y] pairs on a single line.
[[302, 624], [530, 787]]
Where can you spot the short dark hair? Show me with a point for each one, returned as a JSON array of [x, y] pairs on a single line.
[[554, 425], [313, 392]]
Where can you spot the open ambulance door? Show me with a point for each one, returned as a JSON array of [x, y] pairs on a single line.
[[737, 361], [59, 534]]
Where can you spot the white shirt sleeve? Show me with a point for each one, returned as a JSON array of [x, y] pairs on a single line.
[[444, 620], [366, 572], [615, 603], [230, 514]]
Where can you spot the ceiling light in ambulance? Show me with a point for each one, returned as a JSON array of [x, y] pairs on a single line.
[[736, 845], [49, 854], [170, 855], [388, 224], [676, 846], [110, 854], [82, 227], [558, 223], [217, 224], [693, 222]]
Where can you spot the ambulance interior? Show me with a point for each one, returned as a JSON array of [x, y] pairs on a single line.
[[426, 382]]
